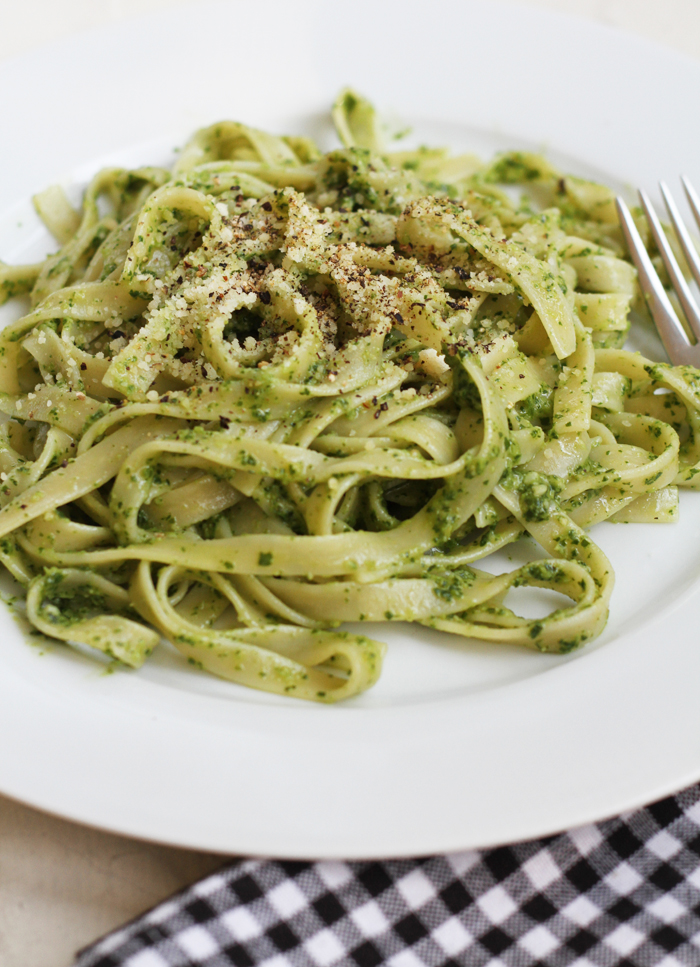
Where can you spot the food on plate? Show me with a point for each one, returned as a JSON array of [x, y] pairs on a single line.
[[273, 390]]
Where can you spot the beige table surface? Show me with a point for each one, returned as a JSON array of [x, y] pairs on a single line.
[[63, 885]]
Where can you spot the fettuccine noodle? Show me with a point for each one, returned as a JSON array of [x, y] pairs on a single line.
[[271, 391]]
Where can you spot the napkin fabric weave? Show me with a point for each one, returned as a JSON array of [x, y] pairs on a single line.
[[620, 893]]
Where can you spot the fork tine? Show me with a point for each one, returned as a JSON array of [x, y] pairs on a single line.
[[689, 250], [669, 259], [693, 199], [672, 333]]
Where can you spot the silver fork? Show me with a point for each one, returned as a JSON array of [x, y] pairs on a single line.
[[681, 351]]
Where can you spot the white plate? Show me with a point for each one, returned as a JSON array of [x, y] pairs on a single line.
[[459, 744]]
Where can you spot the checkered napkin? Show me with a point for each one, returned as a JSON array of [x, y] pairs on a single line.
[[621, 892]]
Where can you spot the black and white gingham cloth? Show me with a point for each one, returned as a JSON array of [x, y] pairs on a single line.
[[618, 893]]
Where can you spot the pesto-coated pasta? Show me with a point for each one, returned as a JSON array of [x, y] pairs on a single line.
[[274, 390]]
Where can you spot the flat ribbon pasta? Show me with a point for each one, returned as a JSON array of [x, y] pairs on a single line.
[[274, 390]]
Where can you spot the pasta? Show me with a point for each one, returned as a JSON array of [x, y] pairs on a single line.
[[274, 390]]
